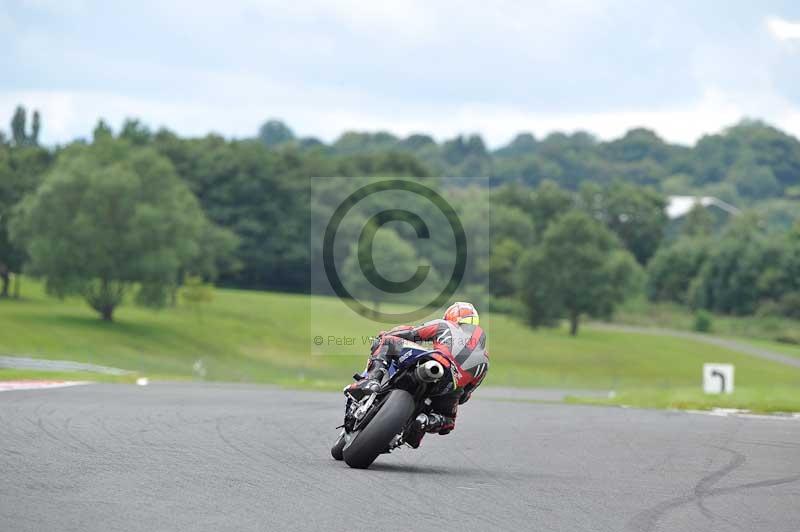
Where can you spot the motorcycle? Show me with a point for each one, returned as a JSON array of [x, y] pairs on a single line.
[[377, 423]]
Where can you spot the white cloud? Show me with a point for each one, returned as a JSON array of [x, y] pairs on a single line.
[[443, 68], [69, 114], [782, 29]]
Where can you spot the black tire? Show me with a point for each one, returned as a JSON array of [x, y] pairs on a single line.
[[336, 450], [374, 439]]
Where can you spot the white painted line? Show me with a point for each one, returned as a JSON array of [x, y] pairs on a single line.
[[729, 410], [767, 416], [9, 386], [724, 412]]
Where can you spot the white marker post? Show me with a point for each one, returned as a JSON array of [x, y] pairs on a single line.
[[718, 378]]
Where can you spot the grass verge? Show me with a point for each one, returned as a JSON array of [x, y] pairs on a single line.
[[29, 375], [759, 400]]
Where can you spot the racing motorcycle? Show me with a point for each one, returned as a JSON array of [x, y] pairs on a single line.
[[377, 423]]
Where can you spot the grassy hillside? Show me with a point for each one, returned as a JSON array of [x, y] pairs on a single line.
[[267, 337]]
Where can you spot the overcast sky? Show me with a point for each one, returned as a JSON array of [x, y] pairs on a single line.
[[683, 68]]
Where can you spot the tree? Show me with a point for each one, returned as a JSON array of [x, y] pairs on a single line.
[[579, 268], [108, 219], [523, 143], [135, 132], [8, 196], [102, 131], [274, 133], [356, 142], [761, 145], [21, 169], [417, 142], [638, 145], [780, 283], [672, 269], [547, 204], [466, 156], [698, 222], [636, 214], [36, 125], [18, 122], [512, 232], [503, 264], [393, 259], [19, 132], [543, 205], [256, 193], [743, 268], [753, 147], [753, 181]]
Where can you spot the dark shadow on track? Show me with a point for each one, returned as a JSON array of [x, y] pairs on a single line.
[[389, 467]]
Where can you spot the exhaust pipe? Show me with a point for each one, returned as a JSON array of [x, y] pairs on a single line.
[[430, 371]]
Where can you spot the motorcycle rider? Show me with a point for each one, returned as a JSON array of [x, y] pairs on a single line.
[[459, 338]]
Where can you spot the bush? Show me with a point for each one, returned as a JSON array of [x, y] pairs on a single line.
[[790, 305], [769, 309], [703, 321], [196, 292], [787, 307], [788, 338]]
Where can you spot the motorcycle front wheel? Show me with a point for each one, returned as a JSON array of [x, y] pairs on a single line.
[[336, 450]]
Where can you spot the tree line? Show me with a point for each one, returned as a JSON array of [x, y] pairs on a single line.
[[577, 224], [587, 251], [748, 163]]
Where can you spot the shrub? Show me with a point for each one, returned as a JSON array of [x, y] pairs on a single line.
[[788, 338], [790, 305], [703, 321]]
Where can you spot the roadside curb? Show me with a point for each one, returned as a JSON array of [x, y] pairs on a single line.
[[11, 386], [41, 364]]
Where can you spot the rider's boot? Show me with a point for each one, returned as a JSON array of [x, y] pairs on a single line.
[[425, 423], [371, 383], [416, 431], [437, 423]]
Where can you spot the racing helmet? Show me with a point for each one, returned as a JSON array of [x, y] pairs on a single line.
[[462, 313]]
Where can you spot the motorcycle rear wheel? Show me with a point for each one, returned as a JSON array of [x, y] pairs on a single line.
[[374, 439]]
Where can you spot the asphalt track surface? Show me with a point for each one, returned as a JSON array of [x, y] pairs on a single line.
[[193, 457]]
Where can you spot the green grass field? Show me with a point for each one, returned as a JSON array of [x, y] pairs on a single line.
[[268, 337]]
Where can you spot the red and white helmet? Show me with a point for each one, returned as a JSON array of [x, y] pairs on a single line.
[[462, 313]]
